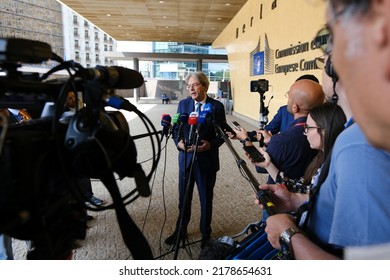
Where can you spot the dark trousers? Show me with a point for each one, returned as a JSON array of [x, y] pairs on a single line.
[[205, 182]]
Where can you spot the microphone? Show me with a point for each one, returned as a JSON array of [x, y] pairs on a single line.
[[166, 124], [202, 117], [115, 76], [192, 121], [175, 120], [183, 119], [209, 109]]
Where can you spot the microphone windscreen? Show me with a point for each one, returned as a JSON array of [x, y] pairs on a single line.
[[183, 118], [175, 118], [208, 108], [128, 78], [202, 117], [192, 120], [166, 120]]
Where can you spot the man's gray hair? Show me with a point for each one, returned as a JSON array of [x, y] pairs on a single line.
[[201, 77]]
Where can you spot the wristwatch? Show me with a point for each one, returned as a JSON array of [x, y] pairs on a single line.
[[285, 240], [243, 141]]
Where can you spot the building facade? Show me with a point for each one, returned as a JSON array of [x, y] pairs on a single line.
[[70, 35], [38, 20], [178, 70], [84, 42]]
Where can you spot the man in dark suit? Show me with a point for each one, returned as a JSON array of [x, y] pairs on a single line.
[[206, 164]]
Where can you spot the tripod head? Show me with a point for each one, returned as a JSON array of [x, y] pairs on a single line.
[[261, 86]]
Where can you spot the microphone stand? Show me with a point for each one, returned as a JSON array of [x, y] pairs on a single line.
[[186, 193], [262, 195]]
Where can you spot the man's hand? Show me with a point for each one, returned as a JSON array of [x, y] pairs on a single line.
[[263, 164], [276, 224], [230, 135], [266, 135], [241, 134], [205, 146], [284, 200]]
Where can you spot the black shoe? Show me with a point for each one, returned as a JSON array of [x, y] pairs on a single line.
[[96, 201], [171, 240], [205, 241]]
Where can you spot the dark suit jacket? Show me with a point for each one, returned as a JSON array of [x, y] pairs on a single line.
[[208, 159]]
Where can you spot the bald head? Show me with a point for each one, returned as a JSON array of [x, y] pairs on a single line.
[[304, 95]]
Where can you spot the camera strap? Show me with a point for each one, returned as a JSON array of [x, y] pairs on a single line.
[[306, 209]]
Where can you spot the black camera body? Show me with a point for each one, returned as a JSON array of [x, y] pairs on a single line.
[[45, 161], [260, 86]]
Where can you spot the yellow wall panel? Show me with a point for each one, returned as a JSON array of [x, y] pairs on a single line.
[[286, 23]]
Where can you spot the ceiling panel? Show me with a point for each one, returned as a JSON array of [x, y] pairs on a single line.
[[160, 21]]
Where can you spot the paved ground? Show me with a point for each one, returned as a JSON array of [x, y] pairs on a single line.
[[156, 215]]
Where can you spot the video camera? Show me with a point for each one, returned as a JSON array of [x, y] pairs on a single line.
[[260, 86], [44, 160]]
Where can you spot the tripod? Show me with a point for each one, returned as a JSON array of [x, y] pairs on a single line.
[[263, 120]]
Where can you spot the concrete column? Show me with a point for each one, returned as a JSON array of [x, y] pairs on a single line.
[[136, 67], [199, 65]]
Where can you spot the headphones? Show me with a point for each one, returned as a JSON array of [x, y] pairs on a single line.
[[330, 70]]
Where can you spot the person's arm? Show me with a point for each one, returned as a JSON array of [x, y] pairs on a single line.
[[303, 248], [267, 164], [285, 201], [263, 135], [275, 124]]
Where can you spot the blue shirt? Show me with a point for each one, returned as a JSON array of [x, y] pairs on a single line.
[[281, 121], [290, 151], [352, 208]]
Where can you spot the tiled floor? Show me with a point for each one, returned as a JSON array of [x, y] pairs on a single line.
[[156, 215]]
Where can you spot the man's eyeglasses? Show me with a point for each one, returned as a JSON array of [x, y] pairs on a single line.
[[307, 128], [195, 85]]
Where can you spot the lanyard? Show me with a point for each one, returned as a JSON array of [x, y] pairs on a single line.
[[299, 124]]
